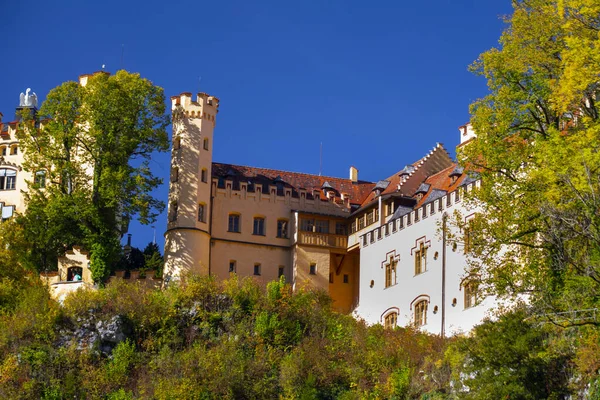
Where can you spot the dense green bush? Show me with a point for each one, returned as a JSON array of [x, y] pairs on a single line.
[[206, 339]]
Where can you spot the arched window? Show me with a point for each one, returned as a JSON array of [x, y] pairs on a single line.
[[420, 313], [40, 179], [391, 320], [8, 179], [3, 150]]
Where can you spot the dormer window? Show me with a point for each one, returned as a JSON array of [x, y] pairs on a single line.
[[455, 174]]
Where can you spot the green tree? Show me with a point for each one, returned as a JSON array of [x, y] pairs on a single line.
[[94, 143], [153, 260], [537, 154], [508, 359]]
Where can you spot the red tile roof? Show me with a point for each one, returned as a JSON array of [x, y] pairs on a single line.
[[357, 191]]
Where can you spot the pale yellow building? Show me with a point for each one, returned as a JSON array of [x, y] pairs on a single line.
[[257, 222]]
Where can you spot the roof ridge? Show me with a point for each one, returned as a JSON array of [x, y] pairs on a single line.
[[290, 172]]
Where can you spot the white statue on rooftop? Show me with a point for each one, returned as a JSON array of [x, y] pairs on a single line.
[[28, 100]]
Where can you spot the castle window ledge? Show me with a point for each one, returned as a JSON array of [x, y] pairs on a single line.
[[420, 273], [391, 286]]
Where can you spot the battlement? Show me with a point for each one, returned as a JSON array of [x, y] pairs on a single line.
[[205, 106], [413, 217], [302, 199]]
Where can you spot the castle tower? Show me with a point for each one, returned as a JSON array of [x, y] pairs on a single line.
[[188, 236]]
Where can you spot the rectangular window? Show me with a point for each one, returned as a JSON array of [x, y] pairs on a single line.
[[346, 278], [282, 228], [424, 212], [440, 205], [256, 269], [394, 225], [470, 294], [259, 226], [313, 269], [401, 220], [408, 218], [234, 223], [417, 215], [204, 175], [432, 208], [341, 228], [390, 273], [40, 179], [457, 195], [376, 213], [364, 238], [353, 227], [280, 271], [361, 222], [232, 266], [205, 143], [369, 218], [200, 212], [378, 233], [448, 200], [307, 225], [468, 236], [420, 258], [387, 229], [322, 226], [173, 216]]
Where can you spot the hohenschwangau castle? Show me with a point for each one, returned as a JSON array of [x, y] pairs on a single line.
[[375, 247]]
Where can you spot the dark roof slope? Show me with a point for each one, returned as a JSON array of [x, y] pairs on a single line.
[[358, 191]]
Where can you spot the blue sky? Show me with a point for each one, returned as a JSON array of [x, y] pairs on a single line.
[[377, 83]]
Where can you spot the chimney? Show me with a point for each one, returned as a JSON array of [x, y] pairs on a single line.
[[353, 174]]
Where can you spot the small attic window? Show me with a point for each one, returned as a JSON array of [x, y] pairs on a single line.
[[455, 174]]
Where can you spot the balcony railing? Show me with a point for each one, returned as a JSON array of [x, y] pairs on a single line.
[[323, 239]]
